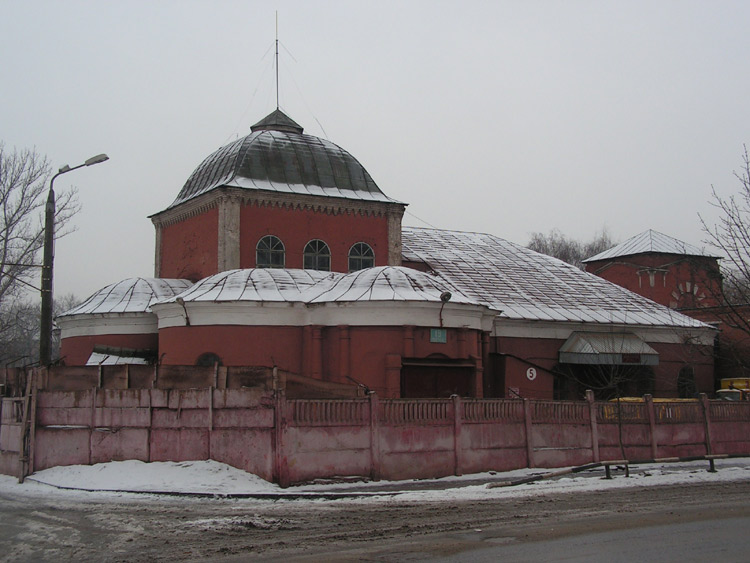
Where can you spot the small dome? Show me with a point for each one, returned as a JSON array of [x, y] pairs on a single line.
[[276, 156], [255, 284], [383, 283], [133, 295], [390, 283]]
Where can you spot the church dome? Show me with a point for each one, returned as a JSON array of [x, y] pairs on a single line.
[[278, 157], [133, 295]]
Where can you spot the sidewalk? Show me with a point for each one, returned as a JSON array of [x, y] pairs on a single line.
[[209, 479]]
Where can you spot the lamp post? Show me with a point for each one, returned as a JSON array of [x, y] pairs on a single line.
[[45, 332]]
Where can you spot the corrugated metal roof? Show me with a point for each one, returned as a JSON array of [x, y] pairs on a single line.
[[650, 242], [278, 157], [133, 295], [524, 284]]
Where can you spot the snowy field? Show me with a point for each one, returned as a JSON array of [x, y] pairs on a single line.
[[210, 477]]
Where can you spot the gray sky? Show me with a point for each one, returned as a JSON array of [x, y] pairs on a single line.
[[500, 117]]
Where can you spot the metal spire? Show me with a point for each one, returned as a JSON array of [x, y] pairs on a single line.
[[277, 59]]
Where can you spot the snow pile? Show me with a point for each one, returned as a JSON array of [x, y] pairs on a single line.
[[166, 477]]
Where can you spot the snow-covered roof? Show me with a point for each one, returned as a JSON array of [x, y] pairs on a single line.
[[278, 157], [99, 359], [526, 285], [382, 283], [650, 242], [387, 283], [255, 284], [133, 295]]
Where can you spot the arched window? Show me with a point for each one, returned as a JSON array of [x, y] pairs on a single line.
[[209, 359], [361, 256], [317, 256], [686, 383], [269, 253]]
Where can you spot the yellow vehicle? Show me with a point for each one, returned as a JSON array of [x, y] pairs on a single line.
[[734, 389]]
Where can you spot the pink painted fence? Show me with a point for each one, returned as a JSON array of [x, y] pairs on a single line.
[[290, 441]]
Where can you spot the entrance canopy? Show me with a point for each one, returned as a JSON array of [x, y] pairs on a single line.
[[607, 348]]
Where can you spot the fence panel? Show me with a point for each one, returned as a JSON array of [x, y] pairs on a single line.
[[329, 412], [400, 411], [559, 411], [728, 411], [628, 412], [675, 413], [485, 410]]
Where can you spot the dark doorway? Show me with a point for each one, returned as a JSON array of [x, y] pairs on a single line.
[[686, 383], [606, 381], [433, 381]]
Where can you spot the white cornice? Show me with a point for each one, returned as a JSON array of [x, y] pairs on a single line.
[[322, 204], [109, 323], [558, 330], [330, 314]]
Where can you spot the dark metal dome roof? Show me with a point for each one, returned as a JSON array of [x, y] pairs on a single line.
[[278, 157]]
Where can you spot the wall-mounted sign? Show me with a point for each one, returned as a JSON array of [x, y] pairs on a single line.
[[439, 335], [531, 374]]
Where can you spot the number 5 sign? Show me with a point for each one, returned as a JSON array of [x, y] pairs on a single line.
[[531, 374]]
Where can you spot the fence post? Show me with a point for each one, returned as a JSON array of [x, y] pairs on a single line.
[[32, 421], [529, 438], [23, 442], [150, 423], [594, 426], [93, 420], [210, 411], [374, 436], [707, 420], [457, 423], [652, 425], [279, 423]]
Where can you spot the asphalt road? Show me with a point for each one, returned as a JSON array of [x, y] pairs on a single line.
[[704, 522], [722, 539]]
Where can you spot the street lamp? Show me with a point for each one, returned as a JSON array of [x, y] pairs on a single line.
[[45, 332]]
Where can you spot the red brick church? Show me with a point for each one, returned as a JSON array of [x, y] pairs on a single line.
[[281, 251]]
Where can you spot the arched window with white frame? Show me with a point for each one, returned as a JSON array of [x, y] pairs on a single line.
[[361, 256], [270, 252], [317, 256]]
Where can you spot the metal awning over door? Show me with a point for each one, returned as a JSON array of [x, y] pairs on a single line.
[[607, 348]]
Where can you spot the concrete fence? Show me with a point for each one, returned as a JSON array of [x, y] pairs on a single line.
[[294, 440]]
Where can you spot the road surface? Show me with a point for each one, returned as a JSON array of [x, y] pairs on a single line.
[[659, 523]]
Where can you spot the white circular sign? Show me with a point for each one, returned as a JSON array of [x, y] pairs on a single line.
[[531, 374]]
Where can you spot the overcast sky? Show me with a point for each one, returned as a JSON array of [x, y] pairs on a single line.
[[500, 117]]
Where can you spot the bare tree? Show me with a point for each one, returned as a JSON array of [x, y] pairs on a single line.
[[569, 250], [731, 237], [19, 342], [609, 383], [23, 190]]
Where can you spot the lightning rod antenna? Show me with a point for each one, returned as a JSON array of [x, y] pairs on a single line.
[[277, 60]]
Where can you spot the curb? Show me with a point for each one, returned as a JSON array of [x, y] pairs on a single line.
[[260, 496]]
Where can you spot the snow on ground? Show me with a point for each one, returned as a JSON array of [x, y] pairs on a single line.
[[211, 477], [167, 477]]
